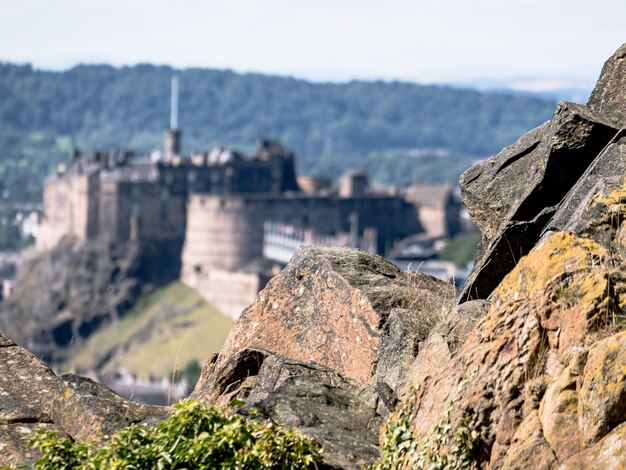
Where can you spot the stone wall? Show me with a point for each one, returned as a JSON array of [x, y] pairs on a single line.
[[143, 211], [71, 208], [227, 232], [230, 292]]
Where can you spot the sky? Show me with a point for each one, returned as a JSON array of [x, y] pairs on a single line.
[[541, 42]]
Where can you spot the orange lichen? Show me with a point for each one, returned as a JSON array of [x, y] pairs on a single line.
[[604, 385], [562, 256]]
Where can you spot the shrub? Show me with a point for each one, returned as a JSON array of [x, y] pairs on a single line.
[[195, 436]]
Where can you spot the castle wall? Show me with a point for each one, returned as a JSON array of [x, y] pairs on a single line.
[[226, 233], [222, 233], [141, 210], [70, 208], [230, 292]]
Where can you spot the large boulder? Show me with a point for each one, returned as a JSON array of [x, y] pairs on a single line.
[[32, 397], [327, 346], [345, 309], [513, 195]]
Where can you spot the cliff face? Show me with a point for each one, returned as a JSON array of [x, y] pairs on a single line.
[[524, 368], [65, 294]]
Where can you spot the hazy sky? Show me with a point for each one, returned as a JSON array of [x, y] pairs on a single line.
[[417, 40]]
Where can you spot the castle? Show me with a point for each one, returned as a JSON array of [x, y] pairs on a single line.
[[113, 195], [227, 212]]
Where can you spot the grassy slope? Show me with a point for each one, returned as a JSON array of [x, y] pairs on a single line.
[[163, 332]]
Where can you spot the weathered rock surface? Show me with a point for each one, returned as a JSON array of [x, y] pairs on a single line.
[[512, 195], [531, 376], [345, 309], [609, 94], [32, 397], [342, 414]]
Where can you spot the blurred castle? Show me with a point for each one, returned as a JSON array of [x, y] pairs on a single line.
[[113, 196], [235, 216]]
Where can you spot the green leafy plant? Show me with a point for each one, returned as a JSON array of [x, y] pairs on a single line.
[[446, 446], [195, 436]]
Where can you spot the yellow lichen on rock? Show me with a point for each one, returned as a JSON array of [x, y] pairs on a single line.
[[567, 281], [602, 403], [615, 200], [560, 255]]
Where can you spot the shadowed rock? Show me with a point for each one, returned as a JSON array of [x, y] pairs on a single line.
[[576, 213], [32, 397], [513, 195], [340, 413]]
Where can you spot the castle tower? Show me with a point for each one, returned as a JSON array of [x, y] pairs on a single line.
[[173, 135]]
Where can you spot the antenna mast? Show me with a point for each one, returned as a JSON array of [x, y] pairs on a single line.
[[174, 104]]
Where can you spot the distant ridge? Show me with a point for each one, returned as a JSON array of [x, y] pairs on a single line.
[[103, 106]]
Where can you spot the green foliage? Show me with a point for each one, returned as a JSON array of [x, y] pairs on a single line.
[[195, 436], [461, 249], [444, 448]]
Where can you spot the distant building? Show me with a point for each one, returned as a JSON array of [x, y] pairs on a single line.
[[437, 207], [218, 205], [115, 196]]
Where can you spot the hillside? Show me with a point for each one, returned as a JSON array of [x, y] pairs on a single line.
[[65, 294], [163, 333], [331, 126]]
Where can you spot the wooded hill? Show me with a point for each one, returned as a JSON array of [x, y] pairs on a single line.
[[391, 127]]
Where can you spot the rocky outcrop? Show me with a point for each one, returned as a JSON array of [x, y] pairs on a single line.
[[32, 397], [513, 195], [540, 381], [327, 346], [345, 309], [520, 375], [62, 296]]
